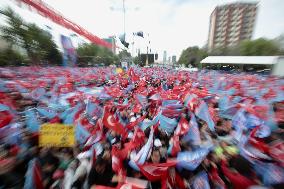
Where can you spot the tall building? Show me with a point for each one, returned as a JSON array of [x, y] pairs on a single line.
[[174, 59], [165, 57], [169, 60], [231, 23]]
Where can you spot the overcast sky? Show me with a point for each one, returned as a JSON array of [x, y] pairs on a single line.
[[173, 25]]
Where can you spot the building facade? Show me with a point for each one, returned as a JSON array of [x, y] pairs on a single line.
[[231, 23], [165, 57], [174, 59]]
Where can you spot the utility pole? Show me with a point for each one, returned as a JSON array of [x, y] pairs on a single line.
[[124, 16]]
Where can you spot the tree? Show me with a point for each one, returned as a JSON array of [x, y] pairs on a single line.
[[94, 54], [259, 47], [192, 56], [124, 54], [38, 44], [136, 60], [10, 57], [226, 51]]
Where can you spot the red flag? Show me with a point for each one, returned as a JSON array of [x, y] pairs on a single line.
[[131, 125], [5, 118], [260, 111], [138, 137], [176, 147], [56, 119], [182, 127], [155, 172], [37, 177], [112, 122], [277, 151], [117, 159], [257, 142], [175, 180], [133, 76]]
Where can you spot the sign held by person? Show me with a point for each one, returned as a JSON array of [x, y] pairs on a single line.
[[56, 135]]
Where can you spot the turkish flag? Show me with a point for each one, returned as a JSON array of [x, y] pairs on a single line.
[[155, 172], [176, 147], [133, 76], [131, 125], [117, 158], [138, 137], [112, 122], [183, 127]]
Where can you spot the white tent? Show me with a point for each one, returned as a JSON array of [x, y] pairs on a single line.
[[276, 62]]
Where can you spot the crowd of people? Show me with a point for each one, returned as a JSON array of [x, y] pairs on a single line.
[[142, 128]]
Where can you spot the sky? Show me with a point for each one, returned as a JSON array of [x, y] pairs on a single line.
[[170, 25]]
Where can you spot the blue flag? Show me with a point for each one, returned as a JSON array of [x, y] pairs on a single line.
[[142, 155], [201, 181], [193, 134], [202, 112], [31, 120], [269, 172], [81, 134], [3, 107], [191, 160], [46, 112], [93, 109], [167, 124], [70, 118]]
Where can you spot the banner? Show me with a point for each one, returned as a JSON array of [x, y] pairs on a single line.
[[69, 51], [57, 135]]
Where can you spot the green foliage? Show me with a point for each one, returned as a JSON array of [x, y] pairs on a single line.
[[259, 47], [136, 60], [38, 43], [124, 54], [93, 54], [192, 56], [9, 57], [226, 51]]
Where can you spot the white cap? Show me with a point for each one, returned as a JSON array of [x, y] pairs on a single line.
[[157, 143], [132, 119], [130, 135]]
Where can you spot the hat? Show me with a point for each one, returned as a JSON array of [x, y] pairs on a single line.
[[130, 135], [157, 143]]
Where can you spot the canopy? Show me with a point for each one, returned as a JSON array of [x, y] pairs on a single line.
[[264, 60]]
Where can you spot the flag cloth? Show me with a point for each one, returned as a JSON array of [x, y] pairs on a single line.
[[270, 173], [202, 112], [141, 156], [32, 122], [112, 122], [182, 127], [46, 112], [156, 171], [131, 125], [33, 178], [94, 110], [167, 124], [5, 118], [191, 160], [193, 134], [71, 117], [174, 147], [81, 133], [201, 181]]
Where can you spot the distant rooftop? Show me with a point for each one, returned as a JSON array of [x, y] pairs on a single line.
[[265, 60], [239, 3]]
